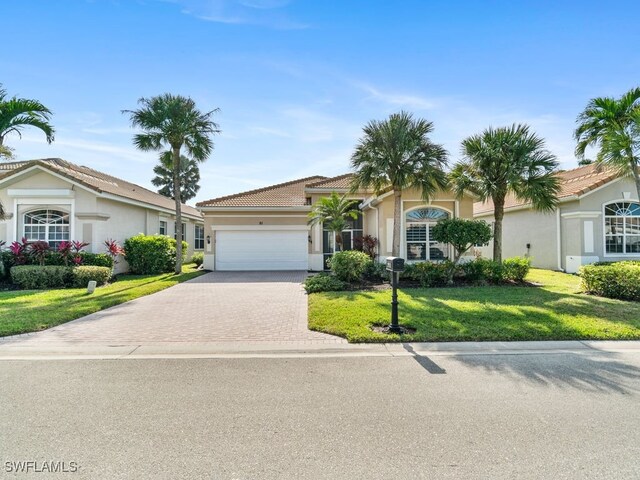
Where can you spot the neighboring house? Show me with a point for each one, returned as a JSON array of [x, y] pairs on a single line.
[[55, 200], [598, 219], [267, 229]]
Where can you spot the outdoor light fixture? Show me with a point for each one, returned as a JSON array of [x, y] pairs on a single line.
[[309, 238], [395, 265], [208, 239]]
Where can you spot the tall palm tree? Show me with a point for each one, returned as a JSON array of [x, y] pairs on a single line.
[[189, 176], [172, 122], [397, 153], [17, 113], [334, 212], [613, 126], [503, 161]]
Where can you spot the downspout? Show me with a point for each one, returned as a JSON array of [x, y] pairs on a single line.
[[559, 239]]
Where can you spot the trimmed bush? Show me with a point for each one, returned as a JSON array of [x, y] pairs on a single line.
[[198, 258], [350, 265], [376, 271], [152, 254], [617, 280], [96, 260], [82, 275], [36, 277], [515, 269], [323, 282], [431, 274]]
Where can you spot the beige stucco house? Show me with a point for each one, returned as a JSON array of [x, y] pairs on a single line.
[[598, 219], [55, 200], [267, 229]]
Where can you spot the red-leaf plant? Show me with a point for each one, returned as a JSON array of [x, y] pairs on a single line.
[[366, 244], [114, 249], [64, 249], [20, 251], [39, 250]]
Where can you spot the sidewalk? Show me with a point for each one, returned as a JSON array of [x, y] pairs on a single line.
[[304, 349]]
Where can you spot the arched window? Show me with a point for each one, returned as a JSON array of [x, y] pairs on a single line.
[[419, 245], [51, 226], [622, 228]]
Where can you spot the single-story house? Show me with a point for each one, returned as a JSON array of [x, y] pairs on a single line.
[[55, 200], [267, 228], [598, 219]]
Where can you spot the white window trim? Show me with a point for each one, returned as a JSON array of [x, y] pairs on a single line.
[[196, 238], [403, 229], [46, 225], [51, 203], [604, 233]]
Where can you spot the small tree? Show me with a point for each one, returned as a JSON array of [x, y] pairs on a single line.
[[461, 234], [333, 212]]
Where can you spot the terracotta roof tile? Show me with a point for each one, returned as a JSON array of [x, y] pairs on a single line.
[[341, 182], [288, 194], [98, 181], [575, 182]]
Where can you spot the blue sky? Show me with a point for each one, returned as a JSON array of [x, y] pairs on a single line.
[[297, 80]]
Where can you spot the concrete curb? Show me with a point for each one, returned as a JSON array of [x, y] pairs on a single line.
[[300, 349]]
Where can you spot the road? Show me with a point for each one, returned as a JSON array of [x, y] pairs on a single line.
[[566, 415]]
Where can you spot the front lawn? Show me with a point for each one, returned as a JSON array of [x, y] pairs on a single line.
[[554, 311], [32, 310]]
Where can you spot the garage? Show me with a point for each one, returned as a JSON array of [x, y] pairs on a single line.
[[261, 250]]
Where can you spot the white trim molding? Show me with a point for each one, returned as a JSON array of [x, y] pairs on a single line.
[[40, 192], [260, 227], [582, 214]]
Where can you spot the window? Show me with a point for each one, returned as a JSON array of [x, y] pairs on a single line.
[[163, 227], [622, 228], [419, 225], [198, 237], [175, 229], [51, 226], [349, 235]]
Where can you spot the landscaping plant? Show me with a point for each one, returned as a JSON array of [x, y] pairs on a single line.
[[150, 254], [323, 282], [332, 213], [198, 258], [82, 275], [350, 265], [616, 280], [368, 244]]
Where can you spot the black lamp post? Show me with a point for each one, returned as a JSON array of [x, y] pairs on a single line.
[[394, 265]]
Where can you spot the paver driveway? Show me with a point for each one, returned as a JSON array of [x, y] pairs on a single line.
[[247, 307]]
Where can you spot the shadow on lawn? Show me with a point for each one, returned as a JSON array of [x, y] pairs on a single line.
[[599, 373]]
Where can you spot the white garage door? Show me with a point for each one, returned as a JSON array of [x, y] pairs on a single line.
[[262, 250]]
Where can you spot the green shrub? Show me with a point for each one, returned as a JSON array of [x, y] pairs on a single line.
[[350, 265], [617, 280], [6, 262], [431, 274], [323, 282], [82, 275], [198, 258], [36, 277], [410, 272], [376, 271], [97, 260], [152, 254], [461, 233], [515, 268]]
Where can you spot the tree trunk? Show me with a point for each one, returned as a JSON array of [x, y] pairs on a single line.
[[635, 172], [178, 198], [338, 239], [397, 219], [497, 228]]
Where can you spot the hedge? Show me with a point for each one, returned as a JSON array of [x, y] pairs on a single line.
[[349, 265], [36, 277], [82, 275], [152, 254], [323, 282], [616, 280]]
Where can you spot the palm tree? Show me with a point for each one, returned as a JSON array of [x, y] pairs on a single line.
[[397, 153], [173, 121], [189, 177], [17, 113], [613, 126], [503, 161], [334, 212]]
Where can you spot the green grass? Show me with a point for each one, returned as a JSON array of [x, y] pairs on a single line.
[[554, 311], [32, 310]]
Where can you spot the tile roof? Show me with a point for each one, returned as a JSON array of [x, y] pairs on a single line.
[[288, 194], [98, 181], [575, 182], [341, 182]]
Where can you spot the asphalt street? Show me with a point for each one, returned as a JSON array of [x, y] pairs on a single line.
[[551, 415]]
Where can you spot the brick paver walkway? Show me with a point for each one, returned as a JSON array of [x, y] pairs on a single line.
[[246, 307]]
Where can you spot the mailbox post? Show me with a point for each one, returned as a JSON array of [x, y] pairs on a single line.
[[395, 265]]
